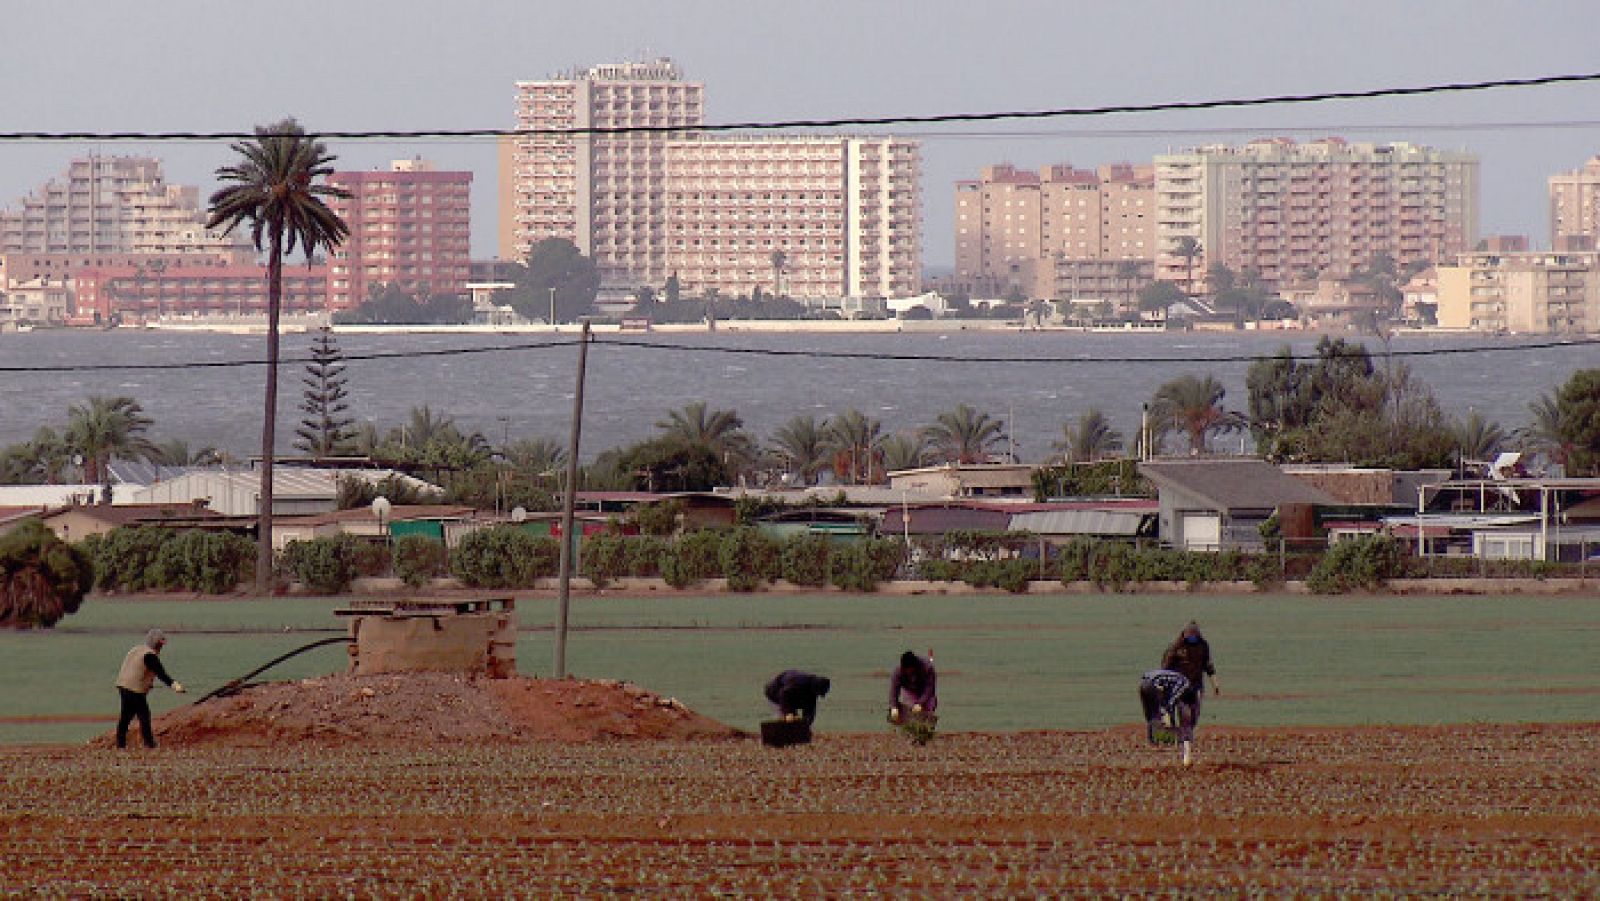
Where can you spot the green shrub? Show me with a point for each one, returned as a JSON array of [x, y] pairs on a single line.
[[419, 559], [750, 558], [604, 558], [644, 556], [694, 557], [42, 578], [806, 559], [203, 561], [504, 557], [1014, 575], [323, 565], [125, 557], [862, 565], [1113, 565], [1074, 559], [660, 519], [1366, 562]]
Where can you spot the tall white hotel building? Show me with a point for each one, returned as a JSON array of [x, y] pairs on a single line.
[[844, 212]]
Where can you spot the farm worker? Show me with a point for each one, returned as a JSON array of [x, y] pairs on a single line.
[[796, 694], [913, 684], [1190, 655], [1161, 691], [140, 669]]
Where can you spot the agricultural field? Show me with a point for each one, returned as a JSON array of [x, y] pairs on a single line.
[[1407, 810], [1400, 745], [1005, 663]]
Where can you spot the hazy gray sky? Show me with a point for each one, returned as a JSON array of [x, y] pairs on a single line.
[[406, 64]]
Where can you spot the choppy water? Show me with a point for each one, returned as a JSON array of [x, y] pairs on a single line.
[[525, 393]]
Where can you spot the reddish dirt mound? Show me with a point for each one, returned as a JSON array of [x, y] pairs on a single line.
[[429, 708]]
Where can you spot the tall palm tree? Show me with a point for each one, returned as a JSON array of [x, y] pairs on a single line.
[[44, 458], [1543, 431], [1090, 438], [964, 435], [106, 429], [779, 260], [803, 444], [539, 456], [1478, 438], [1128, 272], [904, 450], [1189, 248], [273, 188], [856, 441], [176, 452], [720, 430], [1193, 406]]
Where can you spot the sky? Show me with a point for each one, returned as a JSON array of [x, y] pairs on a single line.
[[220, 65]]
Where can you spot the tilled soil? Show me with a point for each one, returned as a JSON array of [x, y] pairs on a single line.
[[419, 709], [1472, 809]]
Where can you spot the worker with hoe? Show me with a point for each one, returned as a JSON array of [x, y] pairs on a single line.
[[796, 693], [140, 669], [913, 685], [1190, 655]]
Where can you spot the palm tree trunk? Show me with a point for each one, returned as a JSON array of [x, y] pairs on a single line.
[[270, 414]]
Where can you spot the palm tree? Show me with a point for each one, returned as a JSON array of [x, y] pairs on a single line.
[[176, 452], [1543, 431], [1478, 438], [855, 439], [1091, 438], [720, 430], [539, 456], [803, 444], [779, 260], [272, 187], [106, 429], [1189, 248], [1128, 271], [964, 435], [45, 459], [1193, 406], [904, 450]]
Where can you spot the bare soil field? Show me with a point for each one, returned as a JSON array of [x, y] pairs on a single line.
[[420, 797]]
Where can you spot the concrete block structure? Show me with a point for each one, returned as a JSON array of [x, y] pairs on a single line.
[[477, 637], [1575, 203], [1531, 292]]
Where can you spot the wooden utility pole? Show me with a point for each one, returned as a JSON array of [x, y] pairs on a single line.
[[564, 592]]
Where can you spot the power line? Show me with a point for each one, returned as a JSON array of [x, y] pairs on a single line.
[[872, 356], [843, 121]]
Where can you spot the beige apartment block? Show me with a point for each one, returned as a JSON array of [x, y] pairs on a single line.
[[603, 192], [1327, 207], [410, 226], [842, 215], [1014, 225], [1575, 203], [1534, 293], [115, 204]]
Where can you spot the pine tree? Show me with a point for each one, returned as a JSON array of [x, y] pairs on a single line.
[[326, 431]]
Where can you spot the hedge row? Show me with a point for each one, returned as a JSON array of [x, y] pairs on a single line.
[[147, 558]]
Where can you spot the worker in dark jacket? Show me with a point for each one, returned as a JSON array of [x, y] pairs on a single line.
[[1161, 691], [1190, 655], [141, 667], [796, 694], [913, 684]]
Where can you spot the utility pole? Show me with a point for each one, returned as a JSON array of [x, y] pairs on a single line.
[[553, 310], [564, 592]]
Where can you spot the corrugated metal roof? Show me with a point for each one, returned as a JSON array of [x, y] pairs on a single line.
[[1080, 522], [1234, 484]]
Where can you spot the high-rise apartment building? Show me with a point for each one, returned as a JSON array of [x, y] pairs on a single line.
[[603, 192], [115, 204], [801, 216], [843, 212], [1014, 225], [1529, 292], [1575, 203], [410, 226], [1289, 210]]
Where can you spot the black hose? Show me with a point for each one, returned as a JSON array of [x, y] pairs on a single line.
[[234, 686]]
